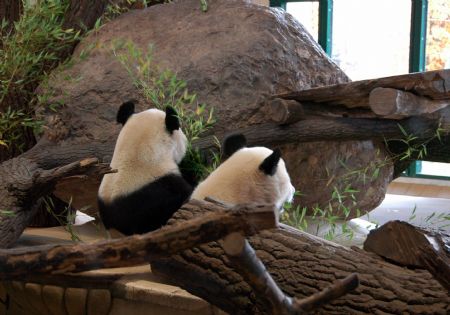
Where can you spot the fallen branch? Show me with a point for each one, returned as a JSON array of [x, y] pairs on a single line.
[[137, 249], [247, 263]]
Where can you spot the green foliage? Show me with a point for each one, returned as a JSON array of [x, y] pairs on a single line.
[[6, 213], [13, 124], [35, 45], [162, 88], [66, 218], [204, 5], [28, 52]]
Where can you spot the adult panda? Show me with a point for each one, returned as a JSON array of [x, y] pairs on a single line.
[[248, 175], [148, 187]]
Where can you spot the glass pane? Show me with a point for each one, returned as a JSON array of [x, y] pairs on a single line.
[[438, 35], [307, 13], [435, 168], [371, 37]]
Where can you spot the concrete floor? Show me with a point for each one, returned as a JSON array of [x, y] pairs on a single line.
[[421, 211]]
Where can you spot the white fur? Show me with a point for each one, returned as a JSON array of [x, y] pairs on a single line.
[[239, 180], [144, 151]]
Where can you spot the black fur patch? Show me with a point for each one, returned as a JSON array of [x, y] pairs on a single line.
[[233, 143], [124, 112], [270, 163], [148, 208], [172, 121]]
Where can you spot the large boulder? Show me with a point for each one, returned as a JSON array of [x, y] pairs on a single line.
[[230, 56]]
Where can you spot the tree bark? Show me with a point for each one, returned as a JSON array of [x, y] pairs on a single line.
[[301, 265], [10, 11]]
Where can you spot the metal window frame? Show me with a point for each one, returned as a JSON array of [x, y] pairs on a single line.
[[417, 62]]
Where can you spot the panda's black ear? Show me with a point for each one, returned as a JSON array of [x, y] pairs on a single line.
[[270, 163], [232, 143], [172, 121], [125, 111]]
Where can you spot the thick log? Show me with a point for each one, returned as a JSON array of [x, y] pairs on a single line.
[[247, 263], [23, 183], [302, 265], [396, 104], [339, 129], [407, 245], [283, 112], [433, 84], [137, 249]]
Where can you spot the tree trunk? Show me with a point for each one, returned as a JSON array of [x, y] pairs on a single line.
[[301, 265], [10, 11]]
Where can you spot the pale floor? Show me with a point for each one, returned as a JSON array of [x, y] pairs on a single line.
[[422, 202]]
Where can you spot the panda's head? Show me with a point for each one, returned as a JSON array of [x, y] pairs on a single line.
[[248, 175], [149, 138]]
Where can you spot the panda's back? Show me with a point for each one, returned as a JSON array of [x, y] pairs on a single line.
[[146, 208]]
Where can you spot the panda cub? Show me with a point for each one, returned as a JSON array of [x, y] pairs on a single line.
[[248, 175], [148, 187]]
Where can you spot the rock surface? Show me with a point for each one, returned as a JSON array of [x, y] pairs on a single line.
[[230, 56]]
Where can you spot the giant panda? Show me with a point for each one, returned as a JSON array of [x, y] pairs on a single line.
[[148, 187], [248, 175]]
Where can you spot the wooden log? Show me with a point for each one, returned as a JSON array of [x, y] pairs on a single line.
[[246, 262], [433, 84], [396, 104], [283, 112], [23, 183], [302, 265], [338, 129], [137, 249], [407, 245]]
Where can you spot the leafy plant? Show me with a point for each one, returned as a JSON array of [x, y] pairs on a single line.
[[6, 213], [13, 125], [29, 50], [66, 218], [343, 200], [162, 88]]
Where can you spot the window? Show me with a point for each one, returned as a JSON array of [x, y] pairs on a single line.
[[307, 13], [371, 37]]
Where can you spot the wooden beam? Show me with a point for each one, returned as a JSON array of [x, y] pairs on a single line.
[[395, 104], [433, 84]]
